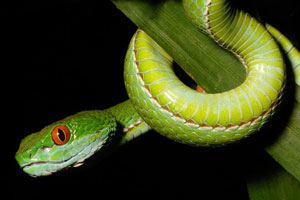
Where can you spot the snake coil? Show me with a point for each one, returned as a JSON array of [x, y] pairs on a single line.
[[159, 100]]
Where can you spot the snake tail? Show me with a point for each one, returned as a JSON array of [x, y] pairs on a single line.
[[289, 49]]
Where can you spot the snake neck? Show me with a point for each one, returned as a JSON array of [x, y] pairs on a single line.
[[131, 123]]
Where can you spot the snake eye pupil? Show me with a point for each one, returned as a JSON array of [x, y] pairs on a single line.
[[60, 134]]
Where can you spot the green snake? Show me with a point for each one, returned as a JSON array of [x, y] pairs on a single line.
[[160, 101]]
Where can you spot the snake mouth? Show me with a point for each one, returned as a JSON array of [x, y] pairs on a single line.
[[32, 164], [43, 168]]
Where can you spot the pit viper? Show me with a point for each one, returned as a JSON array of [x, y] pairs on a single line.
[[159, 100]]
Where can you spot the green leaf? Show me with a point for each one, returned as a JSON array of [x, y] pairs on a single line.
[[297, 94], [210, 66], [166, 23], [273, 184], [286, 148]]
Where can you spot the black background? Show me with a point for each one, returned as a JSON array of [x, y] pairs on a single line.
[[67, 56]]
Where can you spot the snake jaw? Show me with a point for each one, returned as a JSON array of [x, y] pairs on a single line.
[[29, 166]]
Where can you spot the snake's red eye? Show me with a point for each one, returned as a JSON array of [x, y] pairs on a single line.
[[60, 135]]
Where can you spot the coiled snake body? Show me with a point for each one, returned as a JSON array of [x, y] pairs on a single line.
[[159, 100]]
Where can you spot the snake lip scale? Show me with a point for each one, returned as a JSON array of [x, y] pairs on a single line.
[[40, 163], [28, 165]]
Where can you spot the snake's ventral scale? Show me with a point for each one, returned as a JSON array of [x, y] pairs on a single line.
[[159, 100]]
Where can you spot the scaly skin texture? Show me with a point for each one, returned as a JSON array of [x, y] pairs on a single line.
[[38, 155], [159, 100], [199, 119], [132, 123], [292, 53]]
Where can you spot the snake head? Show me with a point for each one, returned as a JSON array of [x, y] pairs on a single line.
[[65, 143]]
